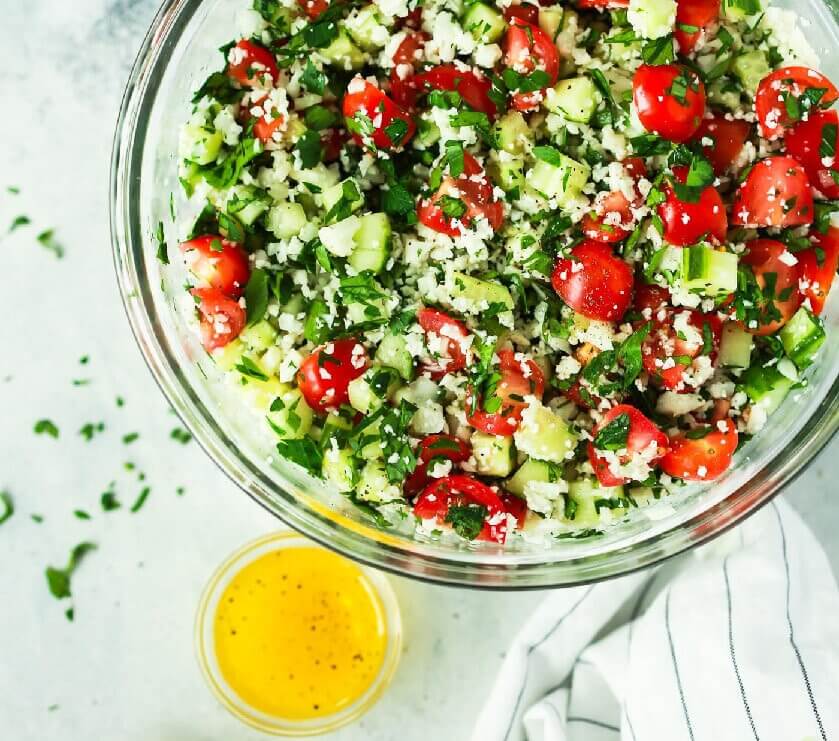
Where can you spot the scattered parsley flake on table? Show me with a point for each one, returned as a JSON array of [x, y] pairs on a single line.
[[18, 222], [59, 580], [46, 427], [130, 437], [8, 506], [141, 500]]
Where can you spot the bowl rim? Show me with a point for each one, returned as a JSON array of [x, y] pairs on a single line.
[[366, 543]]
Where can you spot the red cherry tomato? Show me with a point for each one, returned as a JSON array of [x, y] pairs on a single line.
[[644, 438], [403, 86], [264, 128], [461, 491], [222, 319], [217, 261], [472, 87], [704, 458], [515, 506], [324, 375], [366, 102], [687, 223], [817, 268], [804, 141], [444, 330], [763, 256], [412, 20], [524, 12], [333, 141], [786, 90], [612, 221], [670, 100], [728, 137], [435, 447], [654, 298], [474, 190], [692, 14], [594, 282], [776, 192], [313, 8], [251, 63], [519, 378], [667, 356], [528, 48], [636, 167]]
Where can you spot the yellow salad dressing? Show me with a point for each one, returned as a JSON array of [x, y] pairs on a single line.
[[299, 633]]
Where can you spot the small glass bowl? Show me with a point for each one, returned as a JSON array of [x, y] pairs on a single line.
[[385, 602]]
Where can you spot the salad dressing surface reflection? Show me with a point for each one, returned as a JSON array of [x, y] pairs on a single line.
[[299, 633]]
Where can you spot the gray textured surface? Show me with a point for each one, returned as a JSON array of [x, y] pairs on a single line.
[[125, 669]]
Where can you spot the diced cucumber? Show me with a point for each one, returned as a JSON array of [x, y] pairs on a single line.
[[272, 359], [393, 353], [373, 485], [229, 356], [802, 336], [512, 132], [320, 176], [544, 435], [750, 69], [652, 19], [332, 195], [367, 30], [283, 406], [343, 53], [564, 182], [584, 494], [428, 419], [285, 220], [337, 468], [486, 24], [767, 387], [530, 470], [418, 391], [494, 456], [575, 98], [480, 294], [315, 328], [199, 144], [708, 271], [550, 20], [259, 337], [247, 204], [362, 397], [725, 93], [735, 346], [509, 173], [736, 10], [372, 243], [428, 133], [338, 238]]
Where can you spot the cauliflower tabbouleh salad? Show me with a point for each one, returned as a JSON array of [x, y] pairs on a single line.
[[509, 268]]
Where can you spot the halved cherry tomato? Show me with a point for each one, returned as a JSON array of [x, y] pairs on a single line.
[[641, 436], [444, 330], [222, 319], [474, 191], [264, 129], [705, 458], [764, 257], [594, 282], [313, 8], [407, 52], [787, 95], [519, 378], [817, 268], [249, 63], [435, 447], [667, 356], [804, 142], [374, 108], [776, 192], [729, 138], [463, 491], [692, 14], [654, 298], [636, 167], [403, 87], [687, 223], [324, 375], [472, 87], [412, 20], [670, 100], [528, 48], [524, 12], [217, 261], [612, 221], [515, 506]]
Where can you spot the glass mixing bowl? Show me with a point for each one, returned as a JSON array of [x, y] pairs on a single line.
[[179, 51]]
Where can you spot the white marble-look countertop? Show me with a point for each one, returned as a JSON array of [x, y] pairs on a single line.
[[125, 669]]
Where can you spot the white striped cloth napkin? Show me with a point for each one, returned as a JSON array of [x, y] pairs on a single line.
[[738, 640]]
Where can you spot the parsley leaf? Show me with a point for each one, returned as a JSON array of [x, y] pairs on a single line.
[[256, 296], [58, 580], [614, 435], [313, 79], [247, 367], [310, 149], [46, 427], [467, 520], [304, 452], [8, 506], [548, 154]]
